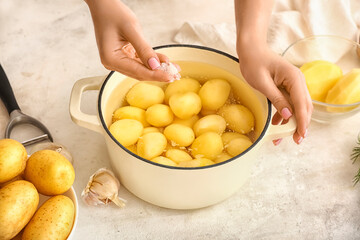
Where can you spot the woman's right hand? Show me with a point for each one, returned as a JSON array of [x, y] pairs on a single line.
[[121, 44]]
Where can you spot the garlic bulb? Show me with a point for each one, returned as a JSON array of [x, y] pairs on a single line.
[[102, 188], [53, 146]]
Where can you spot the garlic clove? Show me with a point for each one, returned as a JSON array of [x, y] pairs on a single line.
[[52, 146], [102, 188]]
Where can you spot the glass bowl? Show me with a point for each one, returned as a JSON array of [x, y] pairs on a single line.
[[343, 52]]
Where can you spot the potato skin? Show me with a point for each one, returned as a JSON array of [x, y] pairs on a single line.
[[12, 159], [50, 172], [53, 220], [18, 203]]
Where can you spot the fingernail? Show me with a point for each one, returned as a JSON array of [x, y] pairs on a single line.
[[285, 113], [277, 141], [306, 133], [300, 140], [153, 63]]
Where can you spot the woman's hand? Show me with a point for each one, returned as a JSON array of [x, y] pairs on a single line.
[[266, 71], [282, 83], [121, 45]]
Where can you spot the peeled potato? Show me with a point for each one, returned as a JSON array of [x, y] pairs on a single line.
[[199, 162], [178, 155], [164, 161], [320, 77], [207, 145], [126, 131], [132, 148], [12, 159], [185, 105], [214, 93], [229, 136], [346, 90], [50, 172], [187, 122], [144, 94], [238, 117], [180, 135], [150, 129], [206, 112], [159, 115], [222, 157], [151, 145], [181, 86], [237, 146], [130, 112], [210, 123]]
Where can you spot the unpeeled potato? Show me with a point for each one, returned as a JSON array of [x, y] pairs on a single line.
[[12, 159], [18, 203], [53, 220], [50, 172]]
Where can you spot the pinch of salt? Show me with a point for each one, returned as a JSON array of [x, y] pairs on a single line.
[[170, 69]]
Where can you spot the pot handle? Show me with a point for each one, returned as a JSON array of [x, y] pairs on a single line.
[[80, 118], [280, 131]]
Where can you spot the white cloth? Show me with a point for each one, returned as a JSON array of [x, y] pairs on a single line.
[[291, 20]]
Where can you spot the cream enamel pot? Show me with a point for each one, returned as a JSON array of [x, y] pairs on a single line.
[[173, 187]]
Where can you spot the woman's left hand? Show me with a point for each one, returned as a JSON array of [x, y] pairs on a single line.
[[282, 83]]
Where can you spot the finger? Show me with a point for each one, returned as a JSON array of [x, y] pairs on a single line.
[[277, 119], [302, 105], [273, 93], [135, 69], [143, 50], [277, 141], [163, 58]]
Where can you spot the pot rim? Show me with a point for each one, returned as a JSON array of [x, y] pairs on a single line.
[[102, 120]]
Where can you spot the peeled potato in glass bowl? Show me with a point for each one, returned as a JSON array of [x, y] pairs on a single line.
[[331, 66]]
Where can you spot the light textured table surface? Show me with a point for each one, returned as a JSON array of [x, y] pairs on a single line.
[[294, 192]]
